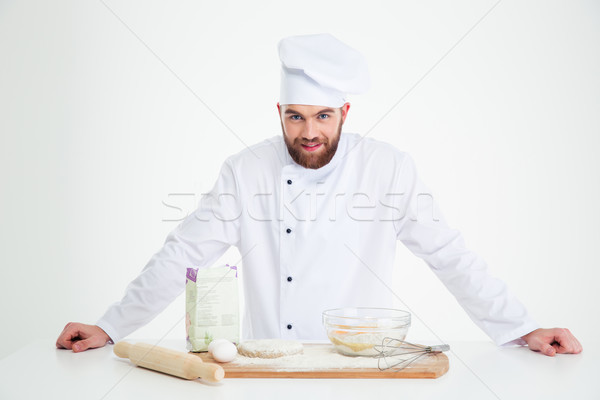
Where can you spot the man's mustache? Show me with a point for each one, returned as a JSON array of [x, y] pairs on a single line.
[[312, 141]]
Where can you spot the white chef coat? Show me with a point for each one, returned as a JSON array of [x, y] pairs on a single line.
[[313, 240]]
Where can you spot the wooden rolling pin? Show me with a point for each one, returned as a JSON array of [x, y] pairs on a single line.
[[169, 361]]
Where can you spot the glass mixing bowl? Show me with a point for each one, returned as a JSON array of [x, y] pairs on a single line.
[[355, 331]]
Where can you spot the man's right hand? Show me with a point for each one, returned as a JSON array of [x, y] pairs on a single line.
[[80, 337]]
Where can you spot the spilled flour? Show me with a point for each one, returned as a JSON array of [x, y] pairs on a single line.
[[314, 357], [269, 348]]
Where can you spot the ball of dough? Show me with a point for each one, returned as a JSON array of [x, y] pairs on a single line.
[[215, 342], [269, 348], [224, 351]]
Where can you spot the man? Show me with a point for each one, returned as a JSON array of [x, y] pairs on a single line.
[[316, 214]]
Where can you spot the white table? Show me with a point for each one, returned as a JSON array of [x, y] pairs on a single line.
[[478, 370]]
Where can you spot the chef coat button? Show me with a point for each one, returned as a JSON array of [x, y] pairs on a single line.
[[288, 230], [289, 326], [289, 279], [289, 181]]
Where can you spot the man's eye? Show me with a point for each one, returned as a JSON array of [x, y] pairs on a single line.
[[295, 117], [324, 116]]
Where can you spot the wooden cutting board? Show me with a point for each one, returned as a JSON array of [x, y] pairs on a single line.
[[429, 366]]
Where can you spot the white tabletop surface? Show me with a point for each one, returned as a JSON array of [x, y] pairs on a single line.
[[478, 370]]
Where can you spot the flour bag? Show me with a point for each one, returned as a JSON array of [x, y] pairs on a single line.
[[212, 306]]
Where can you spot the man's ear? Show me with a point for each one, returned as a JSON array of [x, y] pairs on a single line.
[[280, 119], [344, 110]]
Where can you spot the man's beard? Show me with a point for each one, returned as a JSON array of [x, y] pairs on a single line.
[[310, 160]]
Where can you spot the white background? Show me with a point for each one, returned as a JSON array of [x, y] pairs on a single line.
[[108, 109]]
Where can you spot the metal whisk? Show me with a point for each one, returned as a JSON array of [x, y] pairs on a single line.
[[398, 354]]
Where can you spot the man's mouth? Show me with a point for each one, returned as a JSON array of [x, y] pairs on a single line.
[[312, 146]]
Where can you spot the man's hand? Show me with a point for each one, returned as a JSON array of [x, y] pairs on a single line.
[[552, 341], [80, 337]]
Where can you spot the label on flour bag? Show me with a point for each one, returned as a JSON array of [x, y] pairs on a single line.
[[212, 307]]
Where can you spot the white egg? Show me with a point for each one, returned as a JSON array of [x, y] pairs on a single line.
[[224, 352], [215, 342]]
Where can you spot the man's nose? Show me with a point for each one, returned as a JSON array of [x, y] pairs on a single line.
[[310, 130]]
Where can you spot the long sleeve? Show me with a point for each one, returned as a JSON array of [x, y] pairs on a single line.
[[199, 240], [424, 231]]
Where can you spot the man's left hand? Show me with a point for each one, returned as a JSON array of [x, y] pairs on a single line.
[[552, 341]]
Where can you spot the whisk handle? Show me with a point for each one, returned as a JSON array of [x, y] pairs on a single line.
[[441, 347]]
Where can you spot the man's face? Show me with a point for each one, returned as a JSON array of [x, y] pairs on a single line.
[[312, 133]]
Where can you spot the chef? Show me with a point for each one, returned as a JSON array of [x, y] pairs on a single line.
[[316, 214]]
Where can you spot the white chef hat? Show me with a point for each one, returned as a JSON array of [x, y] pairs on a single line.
[[320, 70]]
